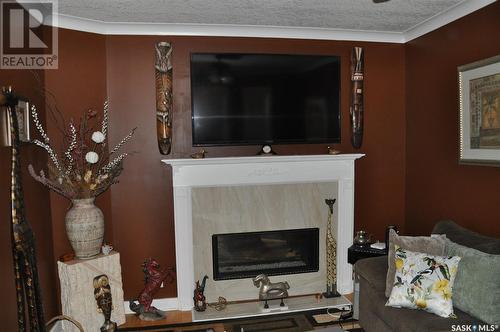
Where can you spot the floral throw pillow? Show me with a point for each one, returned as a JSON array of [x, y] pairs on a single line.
[[424, 282]]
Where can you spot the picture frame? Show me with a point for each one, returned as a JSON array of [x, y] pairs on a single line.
[[23, 119], [479, 112]]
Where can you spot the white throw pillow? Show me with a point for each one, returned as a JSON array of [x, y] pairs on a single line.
[[424, 282]]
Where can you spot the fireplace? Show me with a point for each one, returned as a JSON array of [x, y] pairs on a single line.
[[245, 255], [265, 194]]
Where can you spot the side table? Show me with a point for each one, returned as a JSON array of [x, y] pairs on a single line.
[[355, 253], [77, 290]]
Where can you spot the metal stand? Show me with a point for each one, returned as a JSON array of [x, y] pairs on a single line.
[[331, 293]]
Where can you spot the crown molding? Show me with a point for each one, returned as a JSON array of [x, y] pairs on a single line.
[[440, 19], [224, 30]]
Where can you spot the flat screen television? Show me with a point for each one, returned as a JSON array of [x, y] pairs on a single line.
[[244, 99]]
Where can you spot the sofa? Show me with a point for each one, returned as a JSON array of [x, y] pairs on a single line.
[[371, 274]]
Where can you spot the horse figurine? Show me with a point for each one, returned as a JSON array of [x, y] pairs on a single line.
[[269, 290], [154, 278]]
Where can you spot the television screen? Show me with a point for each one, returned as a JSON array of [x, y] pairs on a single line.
[[240, 99]]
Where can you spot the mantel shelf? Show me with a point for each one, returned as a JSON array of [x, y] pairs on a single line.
[[257, 170], [262, 159]]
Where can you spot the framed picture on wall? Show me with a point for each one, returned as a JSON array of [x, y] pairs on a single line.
[[23, 119], [479, 112]]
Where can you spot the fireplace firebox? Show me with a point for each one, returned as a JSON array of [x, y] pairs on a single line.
[[245, 255]]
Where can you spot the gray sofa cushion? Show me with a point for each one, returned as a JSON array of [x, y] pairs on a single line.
[[477, 285], [465, 237]]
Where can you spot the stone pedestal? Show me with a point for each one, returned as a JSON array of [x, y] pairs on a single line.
[[77, 290]]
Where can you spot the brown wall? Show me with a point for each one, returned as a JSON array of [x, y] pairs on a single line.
[[436, 186], [138, 210], [142, 202], [37, 211], [411, 146], [78, 84]]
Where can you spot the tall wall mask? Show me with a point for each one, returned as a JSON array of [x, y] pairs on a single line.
[[357, 92], [164, 96]]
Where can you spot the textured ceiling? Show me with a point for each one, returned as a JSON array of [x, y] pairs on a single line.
[[390, 16]]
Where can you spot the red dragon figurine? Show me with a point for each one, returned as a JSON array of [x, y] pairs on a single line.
[[154, 277]]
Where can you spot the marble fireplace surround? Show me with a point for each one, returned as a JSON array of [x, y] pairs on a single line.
[[260, 170], [276, 207]]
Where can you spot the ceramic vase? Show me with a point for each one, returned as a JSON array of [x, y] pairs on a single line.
[[85, 228]]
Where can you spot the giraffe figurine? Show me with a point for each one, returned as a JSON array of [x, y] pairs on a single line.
[[29, 303], [331, 255]]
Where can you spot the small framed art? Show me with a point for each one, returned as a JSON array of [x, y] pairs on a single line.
[[479, 112]]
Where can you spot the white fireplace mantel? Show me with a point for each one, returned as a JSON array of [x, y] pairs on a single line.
[[258, 170]]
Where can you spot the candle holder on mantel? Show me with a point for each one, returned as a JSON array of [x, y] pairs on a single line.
[[331, 255]]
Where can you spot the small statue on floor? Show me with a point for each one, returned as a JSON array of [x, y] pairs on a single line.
[[271, 290], [200, 302], [154, 278], [102, 294]]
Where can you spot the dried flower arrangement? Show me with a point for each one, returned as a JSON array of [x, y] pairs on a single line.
[[87, 168]]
